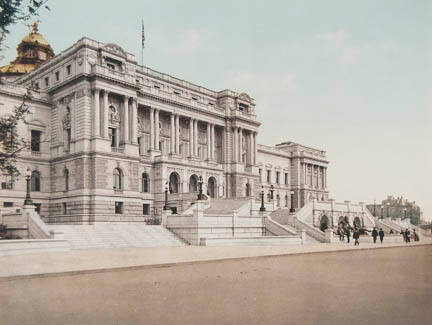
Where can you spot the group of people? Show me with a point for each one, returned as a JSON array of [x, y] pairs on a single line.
[[376, 233], [345, 231], [407, 235]]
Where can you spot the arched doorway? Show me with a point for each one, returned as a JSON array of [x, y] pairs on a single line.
[[324, 223], [212, 187], [174, 181], [193, 183], [248, 190], [357, 222]]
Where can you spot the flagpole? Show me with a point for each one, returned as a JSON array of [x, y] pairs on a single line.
[[142, 43]]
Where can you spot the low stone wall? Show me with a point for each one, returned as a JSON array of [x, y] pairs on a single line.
[[27, 246], [252, 241], [387, 239]]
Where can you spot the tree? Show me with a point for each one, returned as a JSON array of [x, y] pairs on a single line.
[[14, 11], [10, 142]]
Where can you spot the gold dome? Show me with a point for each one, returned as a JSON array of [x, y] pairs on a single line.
[[33, 50]]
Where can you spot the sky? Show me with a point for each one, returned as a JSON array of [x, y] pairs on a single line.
[[353, 78]]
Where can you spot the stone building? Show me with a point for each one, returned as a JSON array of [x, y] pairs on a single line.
[[109, 137], [396, 208]]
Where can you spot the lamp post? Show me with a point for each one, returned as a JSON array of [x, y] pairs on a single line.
[[292, 202], [271, 191], [374, 213], [388, 209], [166, 207], [405, 213], [200, 183], [262, 208], [382, 211], [28, 199]]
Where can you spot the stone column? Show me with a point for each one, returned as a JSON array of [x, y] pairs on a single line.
[[177, 134], [96, 114], [254, 148], [134, 121], [235, 144], [157, 131], [212, 133], [151, 146], [191, 146], [240, 145], [208, 142], [172, 146], [125, 119], [105, 115], [196, 138]]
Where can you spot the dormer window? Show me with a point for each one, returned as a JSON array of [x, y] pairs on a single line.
[[243, 107], [113, 64]]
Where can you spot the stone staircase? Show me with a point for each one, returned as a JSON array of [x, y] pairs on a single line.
[[117, 235], [224, 206]]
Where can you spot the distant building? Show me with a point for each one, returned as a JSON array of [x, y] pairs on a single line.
[[396, 207]]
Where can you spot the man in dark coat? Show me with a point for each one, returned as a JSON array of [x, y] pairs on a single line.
[[374, 234], [348, 234], [356, 236], [407, 236], [381, 235]]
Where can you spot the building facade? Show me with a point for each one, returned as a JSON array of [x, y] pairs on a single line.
[[109, 137]]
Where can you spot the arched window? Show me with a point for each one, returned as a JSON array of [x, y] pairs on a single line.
[[66, 177], [193, 183], [117, 179], [212, 187], [35, 181], [145, 183], [174, 181]]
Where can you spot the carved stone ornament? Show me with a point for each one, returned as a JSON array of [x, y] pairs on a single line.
[[80, 59], [114, 116], [66, 121], [115, 49]]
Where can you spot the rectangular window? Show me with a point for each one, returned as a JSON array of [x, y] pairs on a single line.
[[69, 137], [156, 86], [112, 135], [35, 140], [68, 69], [46, 81], [195, 98], [268, 176], [64, 208], [118, 207], [146, 209], [37, 85], [176, 92], [111, 66], [286, 178], [57, 75], [277, 177], [8, 204], [260, 172]]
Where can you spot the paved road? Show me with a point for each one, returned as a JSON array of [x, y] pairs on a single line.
[[385, 286]]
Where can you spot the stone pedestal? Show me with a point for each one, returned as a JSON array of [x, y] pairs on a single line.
[[164, 217], [303, 236]]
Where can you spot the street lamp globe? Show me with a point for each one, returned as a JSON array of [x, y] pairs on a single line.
[[28, 172]]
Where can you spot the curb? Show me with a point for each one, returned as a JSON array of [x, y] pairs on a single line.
[[172, 264]]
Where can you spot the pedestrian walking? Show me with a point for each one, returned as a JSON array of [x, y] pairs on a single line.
[[416, 236], [407, 236], [356, 236], [374, 235], [381, 235], [348, 234]]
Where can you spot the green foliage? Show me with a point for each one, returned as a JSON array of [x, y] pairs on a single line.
[[10, 142], [14, 11]]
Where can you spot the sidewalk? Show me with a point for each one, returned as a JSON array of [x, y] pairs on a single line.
[[106, 260]]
